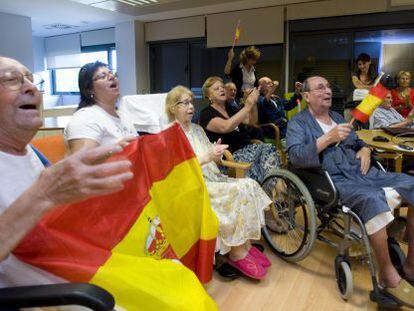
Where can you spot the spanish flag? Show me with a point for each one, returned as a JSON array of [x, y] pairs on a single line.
[[237, 32], [375, 97], [140, 243]]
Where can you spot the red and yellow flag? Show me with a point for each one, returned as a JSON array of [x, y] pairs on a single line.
[[375, 97], [237, 32], [126, 242]]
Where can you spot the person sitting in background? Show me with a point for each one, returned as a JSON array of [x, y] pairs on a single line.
[[366, 74], [254, 131], [403, 95], [231, 91], [312, 140], [386, 116], [271, 108], [243, 73], [238, 203], [29, 190], [96, 121], [221, 121]]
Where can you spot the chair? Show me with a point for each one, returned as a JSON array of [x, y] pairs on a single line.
[[338, 220], [80, 294], [52, 147]]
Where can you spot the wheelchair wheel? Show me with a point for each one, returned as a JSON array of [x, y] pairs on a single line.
[[396, 254], [344, 278], [294, 212]]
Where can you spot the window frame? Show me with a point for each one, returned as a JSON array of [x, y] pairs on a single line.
[[85, 49]]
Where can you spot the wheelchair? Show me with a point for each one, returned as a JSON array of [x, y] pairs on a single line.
[[308, 210]]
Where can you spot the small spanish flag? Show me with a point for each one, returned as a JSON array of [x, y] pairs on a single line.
[[141, 243], [237, 32], [375, 97]]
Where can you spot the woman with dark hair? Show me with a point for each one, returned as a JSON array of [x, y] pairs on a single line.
[[96, 121], [366, 74], [243, 73]]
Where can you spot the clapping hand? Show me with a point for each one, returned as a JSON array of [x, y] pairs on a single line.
[[217, 150]]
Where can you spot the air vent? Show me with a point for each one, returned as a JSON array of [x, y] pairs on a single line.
[[138, 2], [59, 26]]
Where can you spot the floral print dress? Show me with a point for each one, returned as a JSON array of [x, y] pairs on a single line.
[[238, 203]]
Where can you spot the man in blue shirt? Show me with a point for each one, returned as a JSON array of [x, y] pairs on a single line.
[[271, 108]]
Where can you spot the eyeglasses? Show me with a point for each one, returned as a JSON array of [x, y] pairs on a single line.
[[105, 76], [14, 80], [321, 88], [185, 103]]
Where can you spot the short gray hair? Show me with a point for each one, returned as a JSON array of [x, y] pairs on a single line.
[[306, 83]]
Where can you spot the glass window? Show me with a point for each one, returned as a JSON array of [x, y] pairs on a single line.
[[327, 55], [112, 59], [189, 63], [65, 81], [391, 50], [91, 57]]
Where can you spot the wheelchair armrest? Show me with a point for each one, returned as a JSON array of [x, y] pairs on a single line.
[[319, 184], [81, 294], [275, 128], [237, 165], [236, 169]]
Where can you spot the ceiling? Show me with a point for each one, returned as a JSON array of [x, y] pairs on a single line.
[[64, 12], [58, 17]]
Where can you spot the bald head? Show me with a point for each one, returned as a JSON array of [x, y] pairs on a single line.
[[264, 80], [10, 64]]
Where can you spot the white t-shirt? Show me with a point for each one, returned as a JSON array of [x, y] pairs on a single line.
[[95, 123], [393, 197], [18, 173]]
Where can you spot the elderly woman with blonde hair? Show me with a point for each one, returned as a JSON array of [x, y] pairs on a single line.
[[403, 95], [222, 121], [238, 203]]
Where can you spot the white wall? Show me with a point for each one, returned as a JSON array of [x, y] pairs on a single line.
[[16, 38], [142, 59], [39, 54], [126, 63]]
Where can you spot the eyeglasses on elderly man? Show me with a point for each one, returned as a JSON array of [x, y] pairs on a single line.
[[14, 80]]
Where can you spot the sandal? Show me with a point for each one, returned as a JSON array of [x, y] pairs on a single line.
[[249, 266], [403, 293], [261, 258]]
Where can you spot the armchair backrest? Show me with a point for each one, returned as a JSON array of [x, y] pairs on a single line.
[[52, 147]]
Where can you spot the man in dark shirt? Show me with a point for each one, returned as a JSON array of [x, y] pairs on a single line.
[[271, 108]]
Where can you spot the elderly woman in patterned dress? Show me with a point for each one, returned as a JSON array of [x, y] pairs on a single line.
[[238, 203]]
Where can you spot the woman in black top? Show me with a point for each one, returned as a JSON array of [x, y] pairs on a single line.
[[221, 120], [243, 73]]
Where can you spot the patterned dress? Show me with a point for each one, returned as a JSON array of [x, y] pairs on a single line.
[[238, 203]]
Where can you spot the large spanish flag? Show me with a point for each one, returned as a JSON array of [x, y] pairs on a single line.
[[375, 97], [132, 242]]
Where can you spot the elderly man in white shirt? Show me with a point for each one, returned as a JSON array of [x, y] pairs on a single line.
[[386, 116], [29, 190]]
